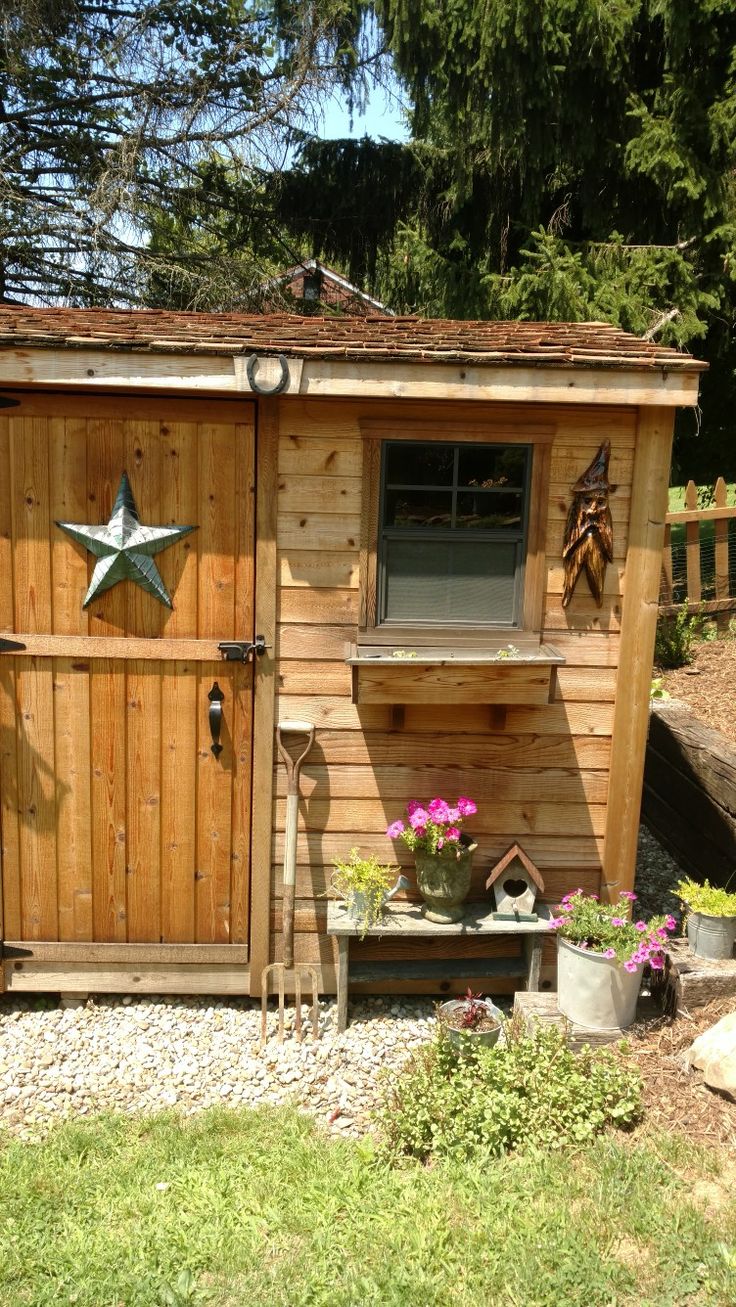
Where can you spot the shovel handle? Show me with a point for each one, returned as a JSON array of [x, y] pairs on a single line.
[[293, 765]]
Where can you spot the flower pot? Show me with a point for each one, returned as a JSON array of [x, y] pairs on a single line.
[[711, 937], [595, 992], [465, 1040], [443, 880]]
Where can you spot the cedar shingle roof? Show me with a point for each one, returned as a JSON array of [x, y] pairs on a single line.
[[371, 339]]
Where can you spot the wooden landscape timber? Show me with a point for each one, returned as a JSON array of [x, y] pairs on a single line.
[[121, 829], [689, 799]]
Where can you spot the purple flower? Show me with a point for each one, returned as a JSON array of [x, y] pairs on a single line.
[[631, 965], [419, 817], [396, 829], [412, 806], [656, 962], [439, 811], [554, 922], [420, 832], [566, 907], [626, 894], [466, 806], [640, 925], [610, 953], [452, 833], [669, 922], [440, 843], [617, 921]]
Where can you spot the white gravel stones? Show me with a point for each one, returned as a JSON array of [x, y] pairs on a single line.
[[142, 1054]]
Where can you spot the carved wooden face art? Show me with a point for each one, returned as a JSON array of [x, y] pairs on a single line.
[[588, 543]]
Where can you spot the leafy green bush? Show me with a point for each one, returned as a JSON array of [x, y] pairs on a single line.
[[675, 637], [530, 1090]]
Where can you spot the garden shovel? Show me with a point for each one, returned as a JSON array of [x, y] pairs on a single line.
[[274, 975]]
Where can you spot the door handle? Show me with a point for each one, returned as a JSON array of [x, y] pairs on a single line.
[[215, 697]]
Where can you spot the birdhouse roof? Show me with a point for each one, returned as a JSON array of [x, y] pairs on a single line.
[[516, 851]]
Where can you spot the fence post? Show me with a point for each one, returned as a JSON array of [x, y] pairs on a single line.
[[721, 551], [692, 548]]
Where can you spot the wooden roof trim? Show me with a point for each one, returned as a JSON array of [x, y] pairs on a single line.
[[222, 374]]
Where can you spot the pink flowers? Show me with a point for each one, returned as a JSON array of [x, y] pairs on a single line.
[[434, 827], [601, 928]]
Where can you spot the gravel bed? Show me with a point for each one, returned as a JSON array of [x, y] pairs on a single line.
[[141, 1054]]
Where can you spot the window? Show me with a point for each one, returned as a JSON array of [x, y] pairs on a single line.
[[452, 533]]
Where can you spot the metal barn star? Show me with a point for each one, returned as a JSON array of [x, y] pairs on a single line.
[[124, 549]]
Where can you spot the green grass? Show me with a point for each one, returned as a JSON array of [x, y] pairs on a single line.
[[261, 1209], [705, 496]]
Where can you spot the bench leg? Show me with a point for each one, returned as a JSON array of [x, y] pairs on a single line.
[[343, 946], [533, 951]]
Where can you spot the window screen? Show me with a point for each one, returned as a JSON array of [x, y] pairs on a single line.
[[453, 531]]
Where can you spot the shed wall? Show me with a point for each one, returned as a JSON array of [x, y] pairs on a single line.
[[542, 781]]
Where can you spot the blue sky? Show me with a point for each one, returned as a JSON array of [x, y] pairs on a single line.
[[381, 118]]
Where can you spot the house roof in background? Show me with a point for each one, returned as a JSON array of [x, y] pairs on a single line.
[[371, 339], [329, 274]]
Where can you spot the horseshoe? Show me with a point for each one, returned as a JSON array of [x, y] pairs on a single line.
[[280, 385]]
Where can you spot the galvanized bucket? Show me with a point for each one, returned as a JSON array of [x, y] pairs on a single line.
[[465, 1040], [595, 992], [711, 937]]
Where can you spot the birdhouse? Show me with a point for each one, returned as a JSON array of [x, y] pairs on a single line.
[[516, 883]]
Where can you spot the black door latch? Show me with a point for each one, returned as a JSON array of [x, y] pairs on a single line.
[[239, 651], [8, 646]]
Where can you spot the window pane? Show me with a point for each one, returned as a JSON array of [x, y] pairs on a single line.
[[420, 508], [446, 581], [415, 464], [486, 511], [487, 468]]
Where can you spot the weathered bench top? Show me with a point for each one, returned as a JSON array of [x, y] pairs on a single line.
[[407, 919]]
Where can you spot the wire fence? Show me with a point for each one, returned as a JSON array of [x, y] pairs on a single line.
[[699, 558]]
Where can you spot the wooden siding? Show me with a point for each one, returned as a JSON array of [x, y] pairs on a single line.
[[544, 779]]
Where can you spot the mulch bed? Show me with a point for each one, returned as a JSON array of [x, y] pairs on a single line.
[[708, 685], [676, 1099]]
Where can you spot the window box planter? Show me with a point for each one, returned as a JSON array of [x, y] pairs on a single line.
[[442, 676]]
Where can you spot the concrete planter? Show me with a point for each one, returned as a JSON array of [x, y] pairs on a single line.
[[595, 992], [711, 937], [443, 880]]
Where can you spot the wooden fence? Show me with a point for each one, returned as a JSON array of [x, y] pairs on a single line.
[[707, 580]]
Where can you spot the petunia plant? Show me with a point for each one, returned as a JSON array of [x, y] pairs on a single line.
[[433, 827], [607, 928]]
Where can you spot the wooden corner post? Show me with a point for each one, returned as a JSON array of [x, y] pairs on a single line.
[[638, 630], [267, 437]]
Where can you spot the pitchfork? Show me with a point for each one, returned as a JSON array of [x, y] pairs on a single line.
[[274, 975]]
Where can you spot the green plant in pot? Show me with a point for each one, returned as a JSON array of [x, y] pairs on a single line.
[[443, 854], [471, 1021], [365, 885], [601, 955], [711, 918]]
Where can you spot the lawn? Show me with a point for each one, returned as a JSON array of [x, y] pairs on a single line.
[[258, 1207]]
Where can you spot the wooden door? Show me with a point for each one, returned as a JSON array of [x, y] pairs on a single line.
[[119, 824]]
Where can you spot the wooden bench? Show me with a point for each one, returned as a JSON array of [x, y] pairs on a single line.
[[405, 920]]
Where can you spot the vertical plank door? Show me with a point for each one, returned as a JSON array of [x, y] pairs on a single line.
[[119, 823]]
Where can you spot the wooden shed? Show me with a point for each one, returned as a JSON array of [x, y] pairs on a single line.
[[355, 487]]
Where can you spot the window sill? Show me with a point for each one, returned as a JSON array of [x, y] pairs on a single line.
[[459, 675]]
